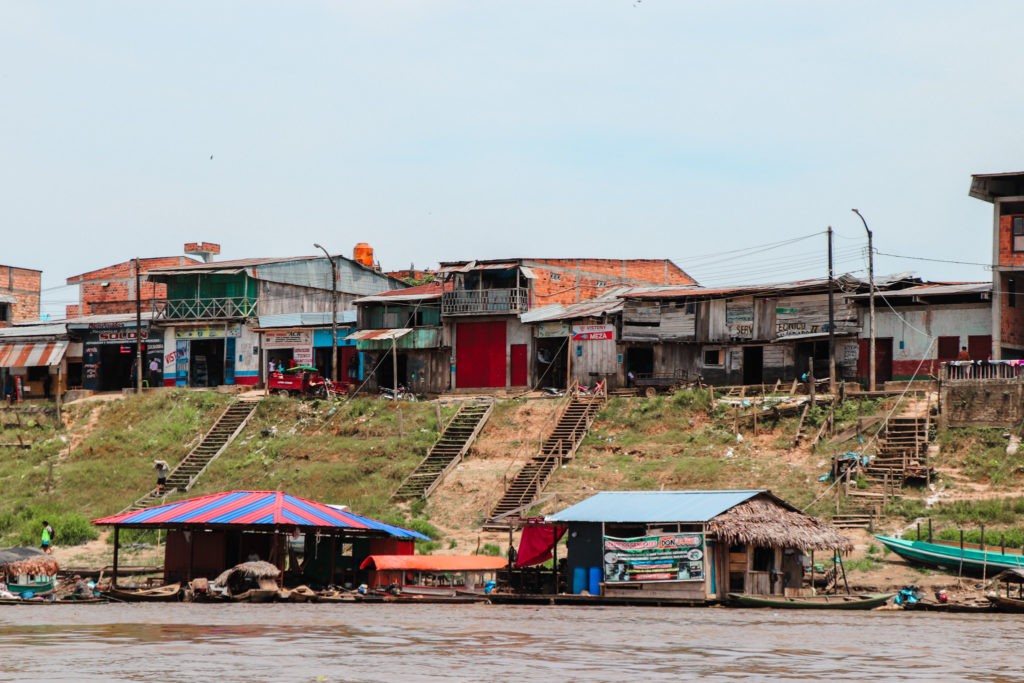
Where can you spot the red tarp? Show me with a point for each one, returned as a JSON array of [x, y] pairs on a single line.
[[536, 543]]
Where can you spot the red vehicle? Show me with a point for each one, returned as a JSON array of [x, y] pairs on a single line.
[[302, 380]]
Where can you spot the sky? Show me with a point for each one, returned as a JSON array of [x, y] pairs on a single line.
[[726, 136]]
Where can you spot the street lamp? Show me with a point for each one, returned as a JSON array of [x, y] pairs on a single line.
[[334, 314], [871, 305]]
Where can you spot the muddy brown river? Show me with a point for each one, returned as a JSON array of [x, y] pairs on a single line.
[[352, 642]]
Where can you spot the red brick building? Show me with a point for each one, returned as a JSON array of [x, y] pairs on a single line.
[[112, 289], [19, 295], [1005, 191]]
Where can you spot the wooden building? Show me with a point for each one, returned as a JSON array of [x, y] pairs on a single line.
[[740, 335], [211, 310], [691, 546]]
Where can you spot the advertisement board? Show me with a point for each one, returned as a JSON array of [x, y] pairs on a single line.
[[658, 557], [592, 332]]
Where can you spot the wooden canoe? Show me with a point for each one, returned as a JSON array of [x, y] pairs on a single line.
[[168, 593], [864, 601], [950, 557], [1001, 603]]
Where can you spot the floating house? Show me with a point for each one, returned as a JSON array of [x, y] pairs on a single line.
[[211, 533], [690, 546]]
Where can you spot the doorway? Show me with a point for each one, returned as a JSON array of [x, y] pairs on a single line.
[[753, 364], [640, 360], [550, 369], [206, 363]]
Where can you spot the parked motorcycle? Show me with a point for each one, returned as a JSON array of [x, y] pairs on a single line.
[[388, 394]]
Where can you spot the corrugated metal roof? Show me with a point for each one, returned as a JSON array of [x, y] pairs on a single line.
[[591, 308], [41, 354], [252, 509], [653, 506], [430, 290], [32, 331], [379, 335], [434, 563], [936, 289], [278, 320]]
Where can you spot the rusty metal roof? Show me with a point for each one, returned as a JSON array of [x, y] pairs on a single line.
[[933, 289], [609, 303], [379, 335], [430, 290]]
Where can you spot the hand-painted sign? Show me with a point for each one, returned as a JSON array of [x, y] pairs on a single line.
[[303, 355], [592, 332], [661, 557]]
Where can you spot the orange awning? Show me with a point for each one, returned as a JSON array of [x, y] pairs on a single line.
[[434, 563], [30, 355]]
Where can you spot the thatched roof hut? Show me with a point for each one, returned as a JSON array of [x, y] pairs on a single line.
[[259, 572], [773, 524], [15, 562]]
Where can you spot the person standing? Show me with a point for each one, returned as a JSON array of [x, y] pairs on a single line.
[[46, 539], [161, 468], [154, 373]]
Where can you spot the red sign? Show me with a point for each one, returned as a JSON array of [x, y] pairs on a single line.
[[592, 332]]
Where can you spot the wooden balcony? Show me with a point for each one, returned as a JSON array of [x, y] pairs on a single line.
[[982, 371], [222, 308], [484, 301]]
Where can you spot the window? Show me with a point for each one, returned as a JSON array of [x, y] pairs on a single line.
[[713, 357], [1018, 233], [1011, 292], [5, 312], [600, 283], [555, 277]]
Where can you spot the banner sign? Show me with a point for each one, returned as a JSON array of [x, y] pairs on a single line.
[[592, 332], [548, 330], [207, 332], [303, 355], [287, 339], [661, 557]]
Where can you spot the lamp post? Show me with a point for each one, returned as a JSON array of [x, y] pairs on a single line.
[[334, 314], [871, 305]]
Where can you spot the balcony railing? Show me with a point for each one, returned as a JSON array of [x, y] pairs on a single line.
[[484, 301], [985, 370], [206, 309]]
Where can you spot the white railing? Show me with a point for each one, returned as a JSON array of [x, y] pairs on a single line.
[[985, 370]]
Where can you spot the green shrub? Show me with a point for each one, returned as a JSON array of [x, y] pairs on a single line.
[[491, 549]]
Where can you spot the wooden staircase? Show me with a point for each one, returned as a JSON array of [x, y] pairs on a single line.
[[452, 445], [902, 455], [224, 430], [559, 447]]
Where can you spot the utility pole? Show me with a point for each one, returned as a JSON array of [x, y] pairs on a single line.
[[831, 320], [138, 328], [334, 315], [871, 304]]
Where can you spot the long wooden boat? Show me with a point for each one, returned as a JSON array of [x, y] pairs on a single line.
[[168, 593], [969, 561], [33, 587], [864, 601], [1001, 603]]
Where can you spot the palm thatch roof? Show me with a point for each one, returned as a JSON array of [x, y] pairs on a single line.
[[15, 562], [236, 578], [762, 521]]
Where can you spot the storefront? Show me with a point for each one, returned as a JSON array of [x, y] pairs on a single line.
[[210, 355], [109, 355], [32, 369], [296, 346]]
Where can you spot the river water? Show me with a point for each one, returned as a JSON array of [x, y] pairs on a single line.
[[391, 642]]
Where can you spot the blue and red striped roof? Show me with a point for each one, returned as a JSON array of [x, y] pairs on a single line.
[[253, 509]]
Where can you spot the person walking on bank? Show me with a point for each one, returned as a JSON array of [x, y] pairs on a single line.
[[161, 468], [47, 538]]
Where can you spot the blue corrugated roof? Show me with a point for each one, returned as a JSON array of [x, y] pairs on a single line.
[[653, 506]]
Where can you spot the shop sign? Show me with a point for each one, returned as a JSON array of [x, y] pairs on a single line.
[[116, 337], [660, 557], [303, 355], [593, 332], [547, 330], [286, 339], [218, 332]]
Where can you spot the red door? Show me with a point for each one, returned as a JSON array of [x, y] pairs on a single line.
[[979, 346], [519, 365], [480, 354], [883, 359]]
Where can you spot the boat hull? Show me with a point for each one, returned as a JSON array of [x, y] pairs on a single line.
[[972, 562], [1003, 604], [850, 602], [171, 593]]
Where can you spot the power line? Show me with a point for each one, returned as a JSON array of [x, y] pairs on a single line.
[[934, 260]]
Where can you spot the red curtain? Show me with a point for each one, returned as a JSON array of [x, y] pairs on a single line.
[[536, 543]]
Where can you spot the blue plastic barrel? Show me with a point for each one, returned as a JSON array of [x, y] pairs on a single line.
[[579, 580], [595, 580]]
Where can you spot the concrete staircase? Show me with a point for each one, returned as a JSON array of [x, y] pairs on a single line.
[[224, 430], [451, 447], [559, 447]]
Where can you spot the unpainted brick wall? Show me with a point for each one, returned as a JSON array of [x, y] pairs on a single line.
[[566, 281], [117, 295], [24, 285]]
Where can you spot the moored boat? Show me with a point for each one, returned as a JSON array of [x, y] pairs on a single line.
[[169, 593], [27, 572], [966, 560], [1004, 585], [852, 602]]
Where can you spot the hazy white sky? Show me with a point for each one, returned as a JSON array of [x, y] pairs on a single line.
[[445, 130]]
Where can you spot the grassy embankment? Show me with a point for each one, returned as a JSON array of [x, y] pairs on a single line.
[[355, 453], [358, 452]]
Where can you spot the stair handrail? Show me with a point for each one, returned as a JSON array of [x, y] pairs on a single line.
[[231, 437]]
